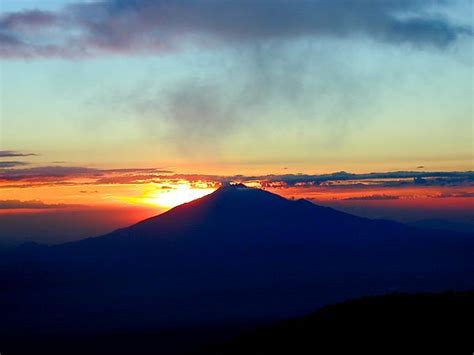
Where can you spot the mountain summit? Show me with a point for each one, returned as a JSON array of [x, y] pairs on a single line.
[[237, 254]]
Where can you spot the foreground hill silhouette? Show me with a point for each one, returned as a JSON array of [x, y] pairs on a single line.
[[390, 324], [238, 255]]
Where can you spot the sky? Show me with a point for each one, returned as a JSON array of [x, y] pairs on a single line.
[[116, 110]]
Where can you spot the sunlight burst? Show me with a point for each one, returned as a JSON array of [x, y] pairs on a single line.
[[178, 195]]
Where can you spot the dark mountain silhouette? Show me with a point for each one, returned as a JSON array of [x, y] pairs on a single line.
[[390, 324], [398, 323], [237, 255]]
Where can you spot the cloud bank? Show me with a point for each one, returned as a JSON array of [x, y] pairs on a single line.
[[89, 29], [57, 175], [67, 175]]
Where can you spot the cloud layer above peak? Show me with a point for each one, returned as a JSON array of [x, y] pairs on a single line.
[[143, 26]]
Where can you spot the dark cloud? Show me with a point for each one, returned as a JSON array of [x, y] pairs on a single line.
[[45, 172], [396, 178], [11, 164], [156, 26], [64, 175], [33, 204], [12, 153], [28, 20], [335, 180]]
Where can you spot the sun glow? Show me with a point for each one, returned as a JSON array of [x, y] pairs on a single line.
[[177, 195]]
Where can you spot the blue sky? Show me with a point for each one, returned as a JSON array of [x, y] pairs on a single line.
[[318, 85], [19, 5]]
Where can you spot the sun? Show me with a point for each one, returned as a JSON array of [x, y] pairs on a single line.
[[177, 195]]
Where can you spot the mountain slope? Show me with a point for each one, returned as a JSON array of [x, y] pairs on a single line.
[[238, 254]]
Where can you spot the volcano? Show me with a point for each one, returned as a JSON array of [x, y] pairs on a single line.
[[239, 254]]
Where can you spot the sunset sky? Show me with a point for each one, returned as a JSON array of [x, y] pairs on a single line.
[[116, 110]]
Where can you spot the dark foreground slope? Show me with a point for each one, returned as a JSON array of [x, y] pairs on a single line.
[[391, 324], [238, 255]]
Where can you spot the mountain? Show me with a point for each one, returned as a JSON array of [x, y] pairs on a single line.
[[237, 255]]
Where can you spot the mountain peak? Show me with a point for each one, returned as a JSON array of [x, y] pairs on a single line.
[[233, 186], [261, 212], [237, 191]]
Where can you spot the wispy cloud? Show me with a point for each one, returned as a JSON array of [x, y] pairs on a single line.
[[87, 29], [461, 194], [372, 198], [42, 173], [13, 153], [32, 204], [11, 164], [62, 175]]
